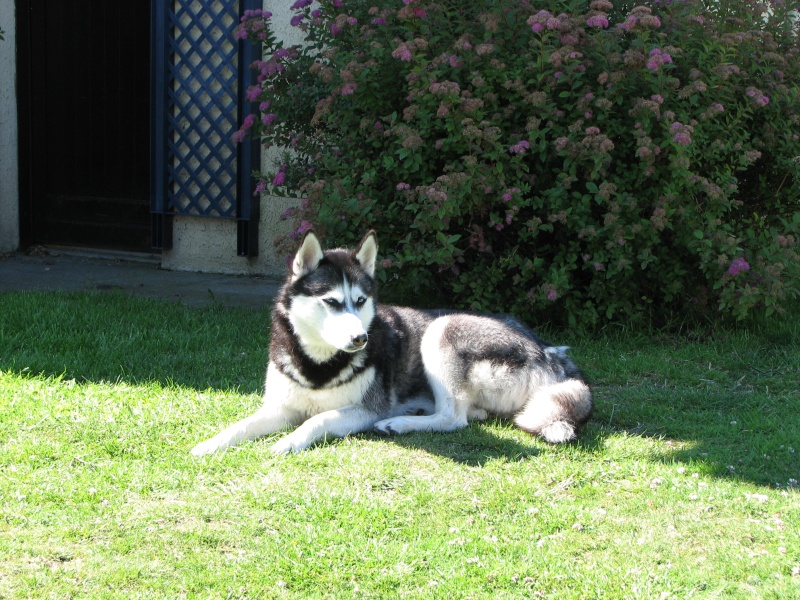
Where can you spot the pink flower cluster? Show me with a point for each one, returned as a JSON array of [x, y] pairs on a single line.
[[508, 195], [629, 23], [757, 96], [520, 147], [657, 58], [241, 133], [550, 292], [444, 88], [280, 177], [640, 15], [300, 231], [269, 68], [402, 53], [252, 93], [348, 88], [561, 143], [411, 11], [253, 22], [739, 265], [682, 134], [599, 20], [542, 20]]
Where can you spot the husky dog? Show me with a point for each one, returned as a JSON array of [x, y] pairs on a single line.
[[340, 364]]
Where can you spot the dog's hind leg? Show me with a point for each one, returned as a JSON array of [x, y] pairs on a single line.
[[477, 414], [555, 411], [446, 418], [413, 406], [452, 404]]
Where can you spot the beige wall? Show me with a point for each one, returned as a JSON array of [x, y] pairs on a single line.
[[9, 167], [209, 245]]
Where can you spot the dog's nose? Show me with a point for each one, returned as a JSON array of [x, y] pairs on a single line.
[[359, 341]]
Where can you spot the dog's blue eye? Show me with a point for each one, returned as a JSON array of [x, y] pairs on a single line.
[[361, 301], [332, 302]]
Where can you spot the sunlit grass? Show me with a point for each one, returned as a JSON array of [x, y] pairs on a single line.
[[683, 484]]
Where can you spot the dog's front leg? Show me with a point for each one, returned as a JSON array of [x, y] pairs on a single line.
[[331, 423], [268, 419]]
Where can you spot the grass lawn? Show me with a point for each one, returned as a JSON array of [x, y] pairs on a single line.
[[683, 485]]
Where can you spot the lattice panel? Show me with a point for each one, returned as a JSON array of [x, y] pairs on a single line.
[[202, 111]]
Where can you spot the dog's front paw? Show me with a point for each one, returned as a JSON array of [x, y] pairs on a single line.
[[290, 444], [393, 426], [208, 447]]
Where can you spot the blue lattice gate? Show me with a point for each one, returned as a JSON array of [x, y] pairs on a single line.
[[200, 73]]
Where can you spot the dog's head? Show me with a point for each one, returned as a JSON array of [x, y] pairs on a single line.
[[332, 296]]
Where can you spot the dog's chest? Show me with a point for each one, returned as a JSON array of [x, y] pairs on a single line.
[[311, 401], [339, 370]]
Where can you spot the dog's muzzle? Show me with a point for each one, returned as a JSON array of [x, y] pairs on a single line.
[[357, 342]]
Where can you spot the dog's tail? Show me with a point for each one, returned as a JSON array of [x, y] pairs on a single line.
[[555, 411]]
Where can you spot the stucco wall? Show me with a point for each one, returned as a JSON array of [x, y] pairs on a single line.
[[210, 244], [9, 177]]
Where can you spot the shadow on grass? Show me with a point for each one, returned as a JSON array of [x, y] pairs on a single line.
[[764, 458], [746, 437], [474, 445], [109, 337]]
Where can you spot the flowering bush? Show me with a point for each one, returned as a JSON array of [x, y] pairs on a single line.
[[568, 160]]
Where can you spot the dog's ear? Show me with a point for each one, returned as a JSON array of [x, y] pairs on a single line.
[[308, 257], [367, 252]]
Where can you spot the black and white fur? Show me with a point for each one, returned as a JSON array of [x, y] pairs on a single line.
[[342, 364]]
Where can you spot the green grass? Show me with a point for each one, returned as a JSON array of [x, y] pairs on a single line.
[[682, 486]]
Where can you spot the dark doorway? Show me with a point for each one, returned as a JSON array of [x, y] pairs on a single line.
[[84, 96]]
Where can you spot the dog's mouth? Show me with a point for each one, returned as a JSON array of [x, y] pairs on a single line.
[[353, 349], [356, 345]]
